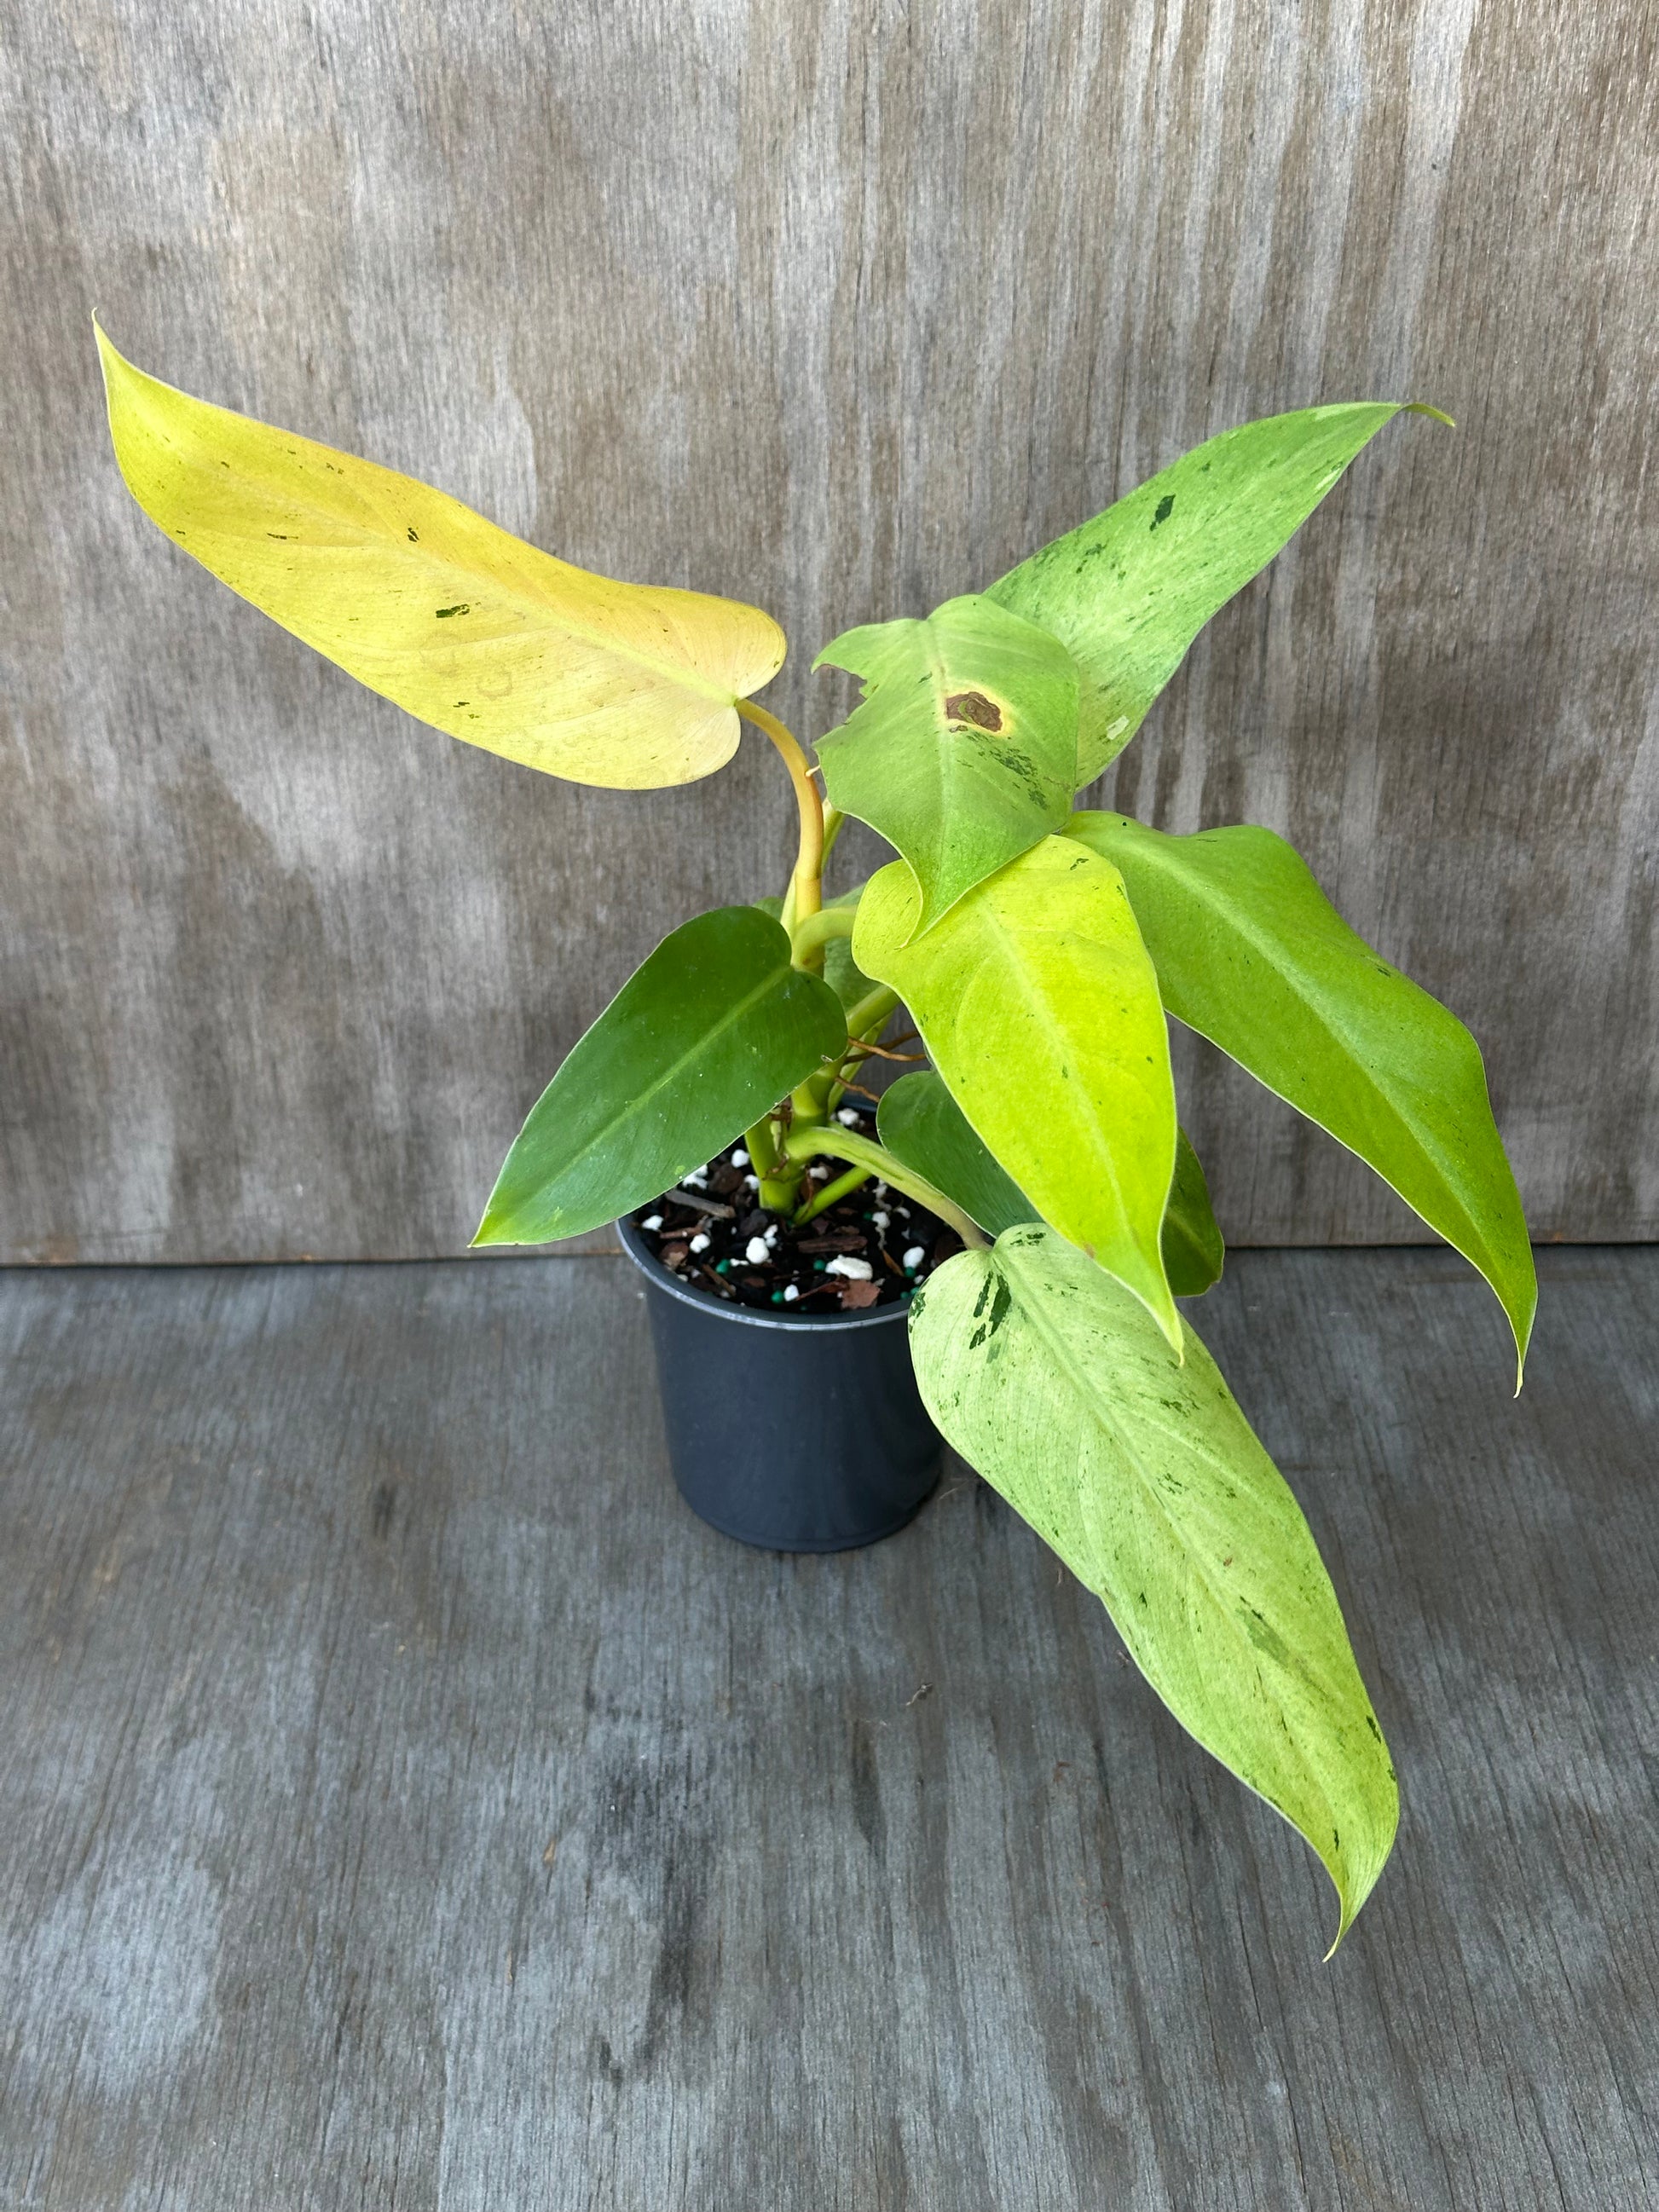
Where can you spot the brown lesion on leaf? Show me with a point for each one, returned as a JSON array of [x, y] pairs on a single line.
[[975, 709]]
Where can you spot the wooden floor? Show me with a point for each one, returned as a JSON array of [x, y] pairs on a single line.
[[406, 1804]]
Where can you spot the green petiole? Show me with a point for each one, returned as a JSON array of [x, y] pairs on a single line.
[[822, 1200], [830, 1140]]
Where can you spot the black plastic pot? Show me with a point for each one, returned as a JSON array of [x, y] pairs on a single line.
[[796, 1435]]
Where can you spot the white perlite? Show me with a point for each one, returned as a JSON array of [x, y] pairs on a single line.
[[699, 1242], [740, 1158], [848, 1116], [913, 1258], [759, 1252], [856, 1271], [651, 1221], [790, 1294]]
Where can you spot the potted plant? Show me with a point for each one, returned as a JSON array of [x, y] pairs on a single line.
[[1025, 1208]]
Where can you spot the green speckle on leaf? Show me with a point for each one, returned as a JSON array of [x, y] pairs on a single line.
[[995, 1318]]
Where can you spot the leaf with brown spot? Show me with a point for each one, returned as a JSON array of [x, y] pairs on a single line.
[[963, 750], [974, 706]]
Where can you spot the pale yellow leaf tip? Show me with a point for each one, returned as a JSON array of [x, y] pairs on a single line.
[[1434, 414], [1523, 1338], [110, 355], [1348, 1907], [107, 353]]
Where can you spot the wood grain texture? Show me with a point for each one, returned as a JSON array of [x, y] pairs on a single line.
[[407, 1803], [840, 309]]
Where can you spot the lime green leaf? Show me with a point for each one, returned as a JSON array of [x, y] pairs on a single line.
[[1040, 1009], [962, 752], [428, 604], [1193, 1250], [1128, 591], [1251, 953], [704, 1039], [1147, 1479], [921, 1125], [924, 1128]]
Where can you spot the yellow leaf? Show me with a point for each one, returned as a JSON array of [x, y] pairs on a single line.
[[1040, 1009], [626, 685]]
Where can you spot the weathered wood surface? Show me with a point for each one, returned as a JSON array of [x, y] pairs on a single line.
[[408, 1803], [841, 308]]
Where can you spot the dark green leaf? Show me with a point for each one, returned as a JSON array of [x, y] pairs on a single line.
[[840, 971], [1251, 953], [712, 1029], [921, 1125], [962, 752], [1193, 1250], [1128, 591]]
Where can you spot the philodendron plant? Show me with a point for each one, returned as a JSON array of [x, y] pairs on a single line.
[[1039, 951]]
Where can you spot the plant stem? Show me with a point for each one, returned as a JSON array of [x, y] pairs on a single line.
[[805, 892], [821, 1201], [813, 931], [839, 1144], [868, 1018], [762, 1144]]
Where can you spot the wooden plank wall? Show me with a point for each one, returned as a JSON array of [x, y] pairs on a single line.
[[839, 308]]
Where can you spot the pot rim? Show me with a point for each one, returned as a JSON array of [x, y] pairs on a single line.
[[663, 1278]]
